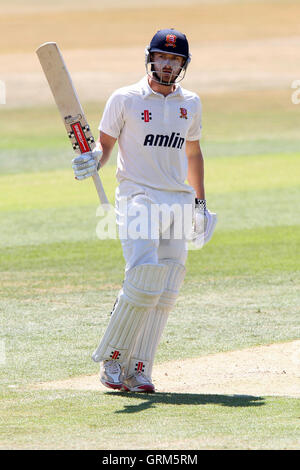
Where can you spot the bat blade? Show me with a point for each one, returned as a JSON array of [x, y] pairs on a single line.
[[68, 104]]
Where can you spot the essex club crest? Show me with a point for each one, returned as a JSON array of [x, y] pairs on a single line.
[[183, 113], [170, 40]]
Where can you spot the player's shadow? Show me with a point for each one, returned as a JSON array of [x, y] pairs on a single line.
[[151, 400]]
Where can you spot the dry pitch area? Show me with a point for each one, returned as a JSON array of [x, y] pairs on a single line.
[[235, 45], [259, 371]]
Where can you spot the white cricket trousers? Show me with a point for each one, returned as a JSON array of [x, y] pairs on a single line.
[[152, 223]]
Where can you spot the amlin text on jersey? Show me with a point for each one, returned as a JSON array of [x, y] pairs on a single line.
[[159, 140]]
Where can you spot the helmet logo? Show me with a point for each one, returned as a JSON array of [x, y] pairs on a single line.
[[171, 40]]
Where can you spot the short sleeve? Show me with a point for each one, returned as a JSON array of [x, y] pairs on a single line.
[[194, 131], [112, 120]]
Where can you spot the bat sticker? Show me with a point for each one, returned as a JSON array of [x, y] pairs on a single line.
[[80, 137], [70, 119]]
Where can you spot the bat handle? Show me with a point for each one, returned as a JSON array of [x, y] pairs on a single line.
[[100, 190]]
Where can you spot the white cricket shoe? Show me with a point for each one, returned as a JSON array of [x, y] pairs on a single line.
[[111, 374], [138, 382]]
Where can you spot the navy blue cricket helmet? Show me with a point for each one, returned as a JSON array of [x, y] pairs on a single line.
[[169, 41]]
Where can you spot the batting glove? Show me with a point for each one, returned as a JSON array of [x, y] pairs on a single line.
[[86, 164], [204, 224]]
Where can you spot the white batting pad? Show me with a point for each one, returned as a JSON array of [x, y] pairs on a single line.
[[145, 347], [174, 280], [142, 356], [142, 288]]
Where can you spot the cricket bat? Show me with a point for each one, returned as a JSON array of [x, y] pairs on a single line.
[[67, 101]]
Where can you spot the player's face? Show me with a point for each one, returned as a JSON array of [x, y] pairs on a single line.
[[167, 66]]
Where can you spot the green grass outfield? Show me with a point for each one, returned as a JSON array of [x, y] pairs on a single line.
[[59, 282]]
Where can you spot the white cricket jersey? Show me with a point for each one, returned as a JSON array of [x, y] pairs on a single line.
[[152, 131]]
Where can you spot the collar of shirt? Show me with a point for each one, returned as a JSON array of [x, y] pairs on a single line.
[[147, 90]]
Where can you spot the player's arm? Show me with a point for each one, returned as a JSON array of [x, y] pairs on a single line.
[[106, 143], [195, 167], [204, 220]]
